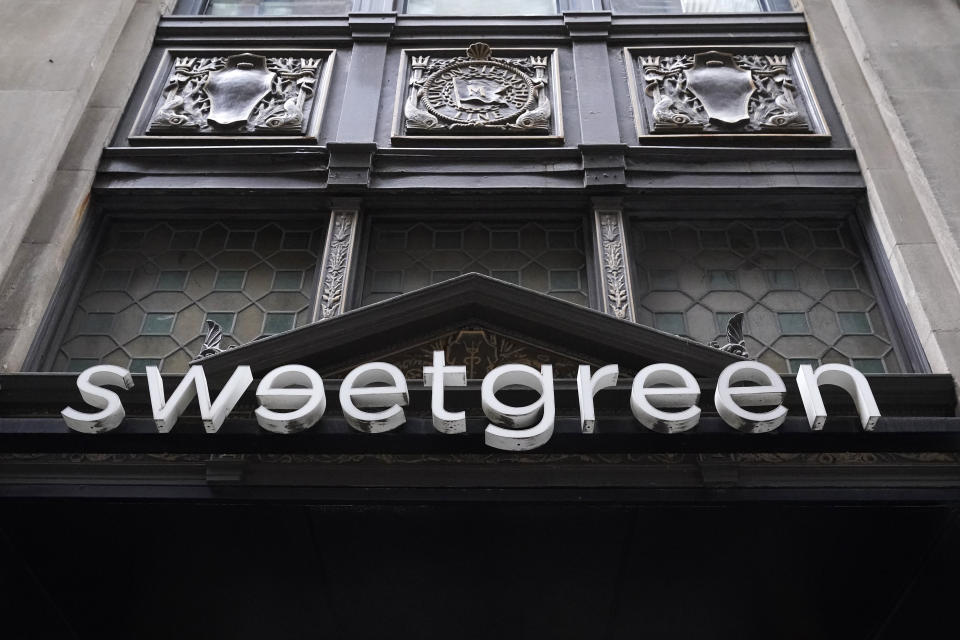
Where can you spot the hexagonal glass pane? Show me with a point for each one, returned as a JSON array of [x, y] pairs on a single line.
[[287, 280], [796, 363], [278, 322], [854, 322], [98, 322], [722, 279], [868, 365], [139, 365], [229, 280], [664, 280], [158, 323], [174, 280], [840, 278], [793, 323], [782, 279], [670, 322], [223, 318]]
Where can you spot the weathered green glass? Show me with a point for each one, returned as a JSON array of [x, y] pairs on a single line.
[[801, 284], [545, 257], [152, 286], [483, 8], [278, 7]]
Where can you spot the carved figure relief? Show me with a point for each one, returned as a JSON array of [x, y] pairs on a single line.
[[478, 94], [717, 92], [236, 95]]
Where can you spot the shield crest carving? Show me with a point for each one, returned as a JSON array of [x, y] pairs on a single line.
[[722, 87], [235, 91]]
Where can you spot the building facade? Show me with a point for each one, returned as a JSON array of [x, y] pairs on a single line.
[[552, 183]]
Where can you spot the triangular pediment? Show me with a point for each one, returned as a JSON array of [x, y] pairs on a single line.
[[479, 322]]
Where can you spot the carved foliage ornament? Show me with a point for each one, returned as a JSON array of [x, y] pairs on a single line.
[[614, 268], [335, 268], [715, 92], [478, 94], [240, 94]]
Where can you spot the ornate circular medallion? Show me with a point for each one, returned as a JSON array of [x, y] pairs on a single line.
[[478, 92]]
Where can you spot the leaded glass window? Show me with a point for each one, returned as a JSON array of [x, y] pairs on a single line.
[[545, 257], [278, 7], [484, 8], [699, 6], [153, 284], [802, 285]]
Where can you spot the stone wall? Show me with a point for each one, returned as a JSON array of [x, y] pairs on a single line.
[[892, 70], [66, 71]]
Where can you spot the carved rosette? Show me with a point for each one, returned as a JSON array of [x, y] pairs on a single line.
[[614, 265], [718, 92], [241, 94], [336, 264], [478, 94]]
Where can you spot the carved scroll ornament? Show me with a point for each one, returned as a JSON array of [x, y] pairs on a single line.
[[478, 94], [240, 94], [715, 92]]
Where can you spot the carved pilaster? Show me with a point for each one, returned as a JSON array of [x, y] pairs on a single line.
[[337, 259], [613, 257]]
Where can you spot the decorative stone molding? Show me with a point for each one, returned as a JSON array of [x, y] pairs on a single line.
[[611, 249], [701, 92], [480, 349], [265, 94], [478, 95], [335, 272]]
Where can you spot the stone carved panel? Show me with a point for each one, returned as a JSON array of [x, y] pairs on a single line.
[[480, 350], [478, 94], [252, 94], [745, 91]]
